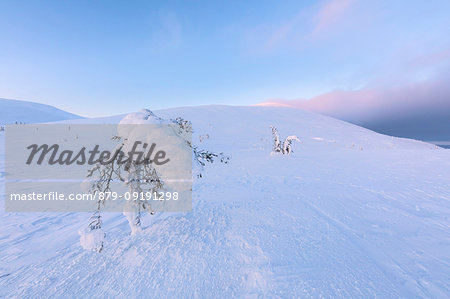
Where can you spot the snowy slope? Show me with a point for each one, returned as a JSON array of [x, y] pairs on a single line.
[[351, 213], [12, 111]]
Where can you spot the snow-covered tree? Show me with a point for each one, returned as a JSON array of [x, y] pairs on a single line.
[[288, 143], [276, 141], [137, 176], [286, 147]]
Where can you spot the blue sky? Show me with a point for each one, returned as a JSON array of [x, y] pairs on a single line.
[[105, 57]]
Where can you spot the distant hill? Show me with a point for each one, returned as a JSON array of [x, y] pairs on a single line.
[[12, 111], [350, 213]]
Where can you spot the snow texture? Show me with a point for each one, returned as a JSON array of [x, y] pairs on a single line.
[[92, 239], [349, 214]]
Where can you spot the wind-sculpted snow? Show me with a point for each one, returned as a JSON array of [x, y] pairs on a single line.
[[350, 213]]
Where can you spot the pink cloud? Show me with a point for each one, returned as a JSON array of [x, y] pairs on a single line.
[[367, 105]]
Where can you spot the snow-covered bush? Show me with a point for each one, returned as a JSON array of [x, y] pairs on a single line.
[[286, 147], [137, 176]]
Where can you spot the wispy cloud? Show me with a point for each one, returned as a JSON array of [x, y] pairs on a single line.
[[330, 13], [167, 33], [280, 34], [305, 25]]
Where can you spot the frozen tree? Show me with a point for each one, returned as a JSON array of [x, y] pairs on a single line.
[[288, 143], [286, 147], [276, 141], [137, 176]]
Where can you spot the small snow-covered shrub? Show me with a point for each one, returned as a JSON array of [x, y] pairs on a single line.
[[286, 147]]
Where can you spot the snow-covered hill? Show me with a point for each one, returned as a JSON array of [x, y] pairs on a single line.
[[351, 213], [12, 111]]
